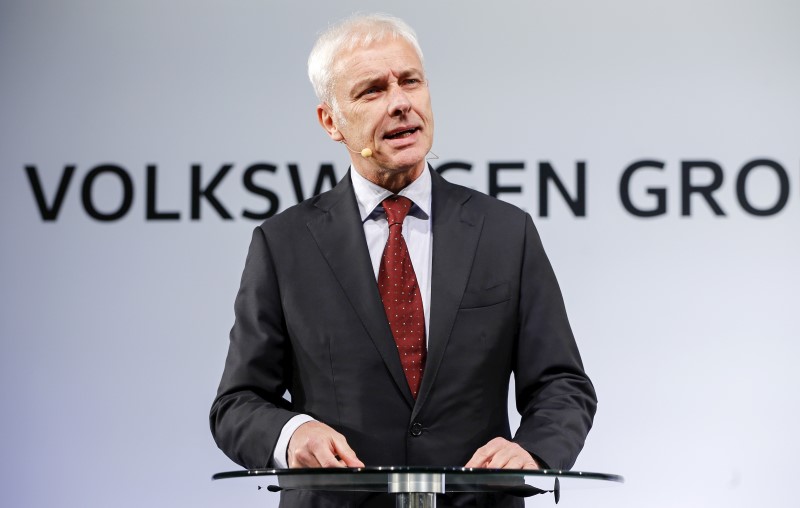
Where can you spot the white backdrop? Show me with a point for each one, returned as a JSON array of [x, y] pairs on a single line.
[[114, 332]]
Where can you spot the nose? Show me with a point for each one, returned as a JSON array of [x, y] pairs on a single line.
[[399, 103]]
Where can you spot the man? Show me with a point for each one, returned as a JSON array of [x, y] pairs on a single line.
[[395, 323]]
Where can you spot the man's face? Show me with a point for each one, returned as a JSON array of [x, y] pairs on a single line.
[[384, 105]]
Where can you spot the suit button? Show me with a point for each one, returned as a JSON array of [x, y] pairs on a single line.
[[416, 429]]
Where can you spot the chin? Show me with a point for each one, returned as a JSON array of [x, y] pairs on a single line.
[[410, 167], [407, 161]]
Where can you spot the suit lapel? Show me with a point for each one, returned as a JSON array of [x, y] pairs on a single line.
[[339, 235], [456, 230]]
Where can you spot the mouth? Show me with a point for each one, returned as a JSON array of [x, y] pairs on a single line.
[[401, 133]]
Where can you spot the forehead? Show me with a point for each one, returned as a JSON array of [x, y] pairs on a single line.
[[388, 55]]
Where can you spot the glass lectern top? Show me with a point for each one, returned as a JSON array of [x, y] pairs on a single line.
[[520, 482], [386, 470]]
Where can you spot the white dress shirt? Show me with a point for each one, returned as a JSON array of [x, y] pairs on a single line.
[[418, 234]]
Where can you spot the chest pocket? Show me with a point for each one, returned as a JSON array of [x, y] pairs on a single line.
[[486, 297]]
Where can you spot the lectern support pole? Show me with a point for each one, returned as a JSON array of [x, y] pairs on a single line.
[[415, 500], [416, 490]]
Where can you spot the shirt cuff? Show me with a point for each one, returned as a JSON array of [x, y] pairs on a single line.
[[279, 457]]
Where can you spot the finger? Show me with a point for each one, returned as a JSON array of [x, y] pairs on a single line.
[[325, 458], [510, 456], [346, 455], [324, 454], [473, 462], [329, 460], [515, 457], [478, 458], [483, 454], [302, 458], [499, 459], [515, 462], [532, 464]]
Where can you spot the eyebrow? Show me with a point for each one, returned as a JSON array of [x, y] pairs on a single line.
[[373, 80]]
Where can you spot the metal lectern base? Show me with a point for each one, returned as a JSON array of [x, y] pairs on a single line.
[[416, 490]]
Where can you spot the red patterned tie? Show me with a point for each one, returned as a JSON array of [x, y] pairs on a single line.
[[399, 291]]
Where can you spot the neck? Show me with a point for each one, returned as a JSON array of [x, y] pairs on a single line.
[[391, 180]]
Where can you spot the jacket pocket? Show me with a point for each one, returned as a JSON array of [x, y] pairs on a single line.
[[486, 297]]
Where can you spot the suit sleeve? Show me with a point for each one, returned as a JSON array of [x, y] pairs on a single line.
[[554, 396], [249, 411]]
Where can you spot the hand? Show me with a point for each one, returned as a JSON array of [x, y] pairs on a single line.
[[315, 444], [501, 453]]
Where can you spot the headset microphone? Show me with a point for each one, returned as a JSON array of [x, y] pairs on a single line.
[[366, 152]]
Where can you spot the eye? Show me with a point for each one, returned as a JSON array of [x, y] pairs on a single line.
[[369, 91]]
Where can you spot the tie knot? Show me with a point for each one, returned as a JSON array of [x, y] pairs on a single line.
[[396, 208]]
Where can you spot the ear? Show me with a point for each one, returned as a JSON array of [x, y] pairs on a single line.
[[327, 121]]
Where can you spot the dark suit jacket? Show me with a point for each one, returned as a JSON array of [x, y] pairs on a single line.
[[309, 319]]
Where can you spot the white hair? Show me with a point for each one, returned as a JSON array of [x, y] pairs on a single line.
[[359, 30]]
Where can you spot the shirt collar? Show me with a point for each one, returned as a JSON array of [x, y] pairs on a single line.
[[369, 195]]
